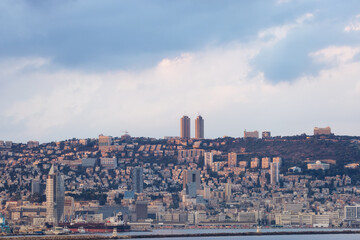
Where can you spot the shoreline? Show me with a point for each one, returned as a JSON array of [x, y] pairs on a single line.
[[176, 236]]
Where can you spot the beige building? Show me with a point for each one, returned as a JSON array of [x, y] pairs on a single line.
[[265, 162], [255, 162], [322, 131], [254, 134], [318, 165]]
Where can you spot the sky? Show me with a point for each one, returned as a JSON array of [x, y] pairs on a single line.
[[80, 68]]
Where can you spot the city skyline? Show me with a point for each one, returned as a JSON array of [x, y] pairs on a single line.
[[275, 65]]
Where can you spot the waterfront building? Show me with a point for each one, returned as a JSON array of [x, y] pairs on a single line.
[[54, 196], [199, 127], [138, 180], [141, 210], [185, 127]]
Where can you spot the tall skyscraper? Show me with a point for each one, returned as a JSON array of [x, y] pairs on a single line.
[[199, 127], [138, 180], [185, 127], [274, 173], [54, 197]]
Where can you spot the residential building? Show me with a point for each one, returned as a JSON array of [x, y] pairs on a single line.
[[232, 159]]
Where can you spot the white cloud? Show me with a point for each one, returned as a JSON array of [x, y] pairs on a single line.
[[336, 54], [218, 82], [353, 26]]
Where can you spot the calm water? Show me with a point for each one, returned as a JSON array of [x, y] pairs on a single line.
[[291, 237]]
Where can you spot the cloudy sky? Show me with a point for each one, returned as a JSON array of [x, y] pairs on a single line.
[[78, 68]]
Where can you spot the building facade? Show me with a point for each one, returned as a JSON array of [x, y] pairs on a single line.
[[322, 131], [185, 127], [232, 159], [138, 180], [199, 127], [54, 197], [274, 173]]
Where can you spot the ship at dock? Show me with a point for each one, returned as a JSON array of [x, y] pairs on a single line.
[[108, 226]]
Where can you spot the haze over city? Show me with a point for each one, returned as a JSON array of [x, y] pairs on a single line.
[[79, 68]]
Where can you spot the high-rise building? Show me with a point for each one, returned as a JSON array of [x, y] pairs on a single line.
[[191, 182], [208, 159], [274, 173], [199, 127], [228, 190], [69, 208], [277, 160], [138, 180], [141, 210], [185, 127], [232, 159], [54, 196], [265, 162], [35, 186], [255, 162]]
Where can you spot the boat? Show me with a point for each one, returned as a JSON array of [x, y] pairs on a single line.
[[81, 230], [92, 227]]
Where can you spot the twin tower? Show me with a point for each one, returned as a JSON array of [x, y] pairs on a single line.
[[185, 127]]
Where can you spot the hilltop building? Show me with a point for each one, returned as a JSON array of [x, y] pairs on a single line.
[[185, 127], [254, 134], [199, 127], [322, 131]]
